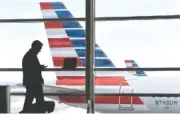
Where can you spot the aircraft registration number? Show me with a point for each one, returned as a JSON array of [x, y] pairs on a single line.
[[166, 102]]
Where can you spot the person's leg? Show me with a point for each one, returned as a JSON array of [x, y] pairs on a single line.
[[40, 98], [28, 98]]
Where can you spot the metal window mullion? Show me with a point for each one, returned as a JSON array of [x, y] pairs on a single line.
[[90, 44]]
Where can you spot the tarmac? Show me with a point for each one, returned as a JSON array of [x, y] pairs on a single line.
[[60, 108]]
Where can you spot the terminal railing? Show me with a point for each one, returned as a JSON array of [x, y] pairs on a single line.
[[128, 18], [100, 69], [108, 94]]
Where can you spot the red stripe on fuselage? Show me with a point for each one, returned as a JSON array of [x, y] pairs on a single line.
[[80, 80], [102, 99]]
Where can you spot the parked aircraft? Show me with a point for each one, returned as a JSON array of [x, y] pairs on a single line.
[[67, 39]]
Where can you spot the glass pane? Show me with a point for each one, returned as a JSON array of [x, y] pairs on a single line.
[[136, 7], [32, 8], [126, 83]]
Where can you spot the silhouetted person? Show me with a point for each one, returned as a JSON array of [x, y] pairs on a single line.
[[32, 78]]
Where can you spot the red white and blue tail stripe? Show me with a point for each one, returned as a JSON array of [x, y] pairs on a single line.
[[133, 64], [67, 39]]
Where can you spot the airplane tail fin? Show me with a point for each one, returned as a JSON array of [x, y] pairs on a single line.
[[66, 39], [133, 64]]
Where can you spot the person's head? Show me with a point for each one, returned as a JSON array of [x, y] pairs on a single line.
[[36, 46]]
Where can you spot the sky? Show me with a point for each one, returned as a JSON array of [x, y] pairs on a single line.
[[152, 43]]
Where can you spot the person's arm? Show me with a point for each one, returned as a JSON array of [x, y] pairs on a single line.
[[42, 68], [42, 80]]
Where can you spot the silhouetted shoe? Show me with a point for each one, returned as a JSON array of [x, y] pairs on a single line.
[[23, 111], [33, 109]]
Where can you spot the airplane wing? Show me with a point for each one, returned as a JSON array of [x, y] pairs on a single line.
[[53, 89], [46, 88], [16, 88]]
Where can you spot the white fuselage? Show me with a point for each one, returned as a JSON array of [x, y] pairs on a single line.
[[149, 84]]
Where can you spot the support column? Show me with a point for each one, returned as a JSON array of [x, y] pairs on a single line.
[[4, 99], [90, 45]]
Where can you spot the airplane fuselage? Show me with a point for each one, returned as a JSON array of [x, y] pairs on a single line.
[[118, 104]]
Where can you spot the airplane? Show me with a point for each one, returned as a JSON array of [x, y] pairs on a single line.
[[67, 39]]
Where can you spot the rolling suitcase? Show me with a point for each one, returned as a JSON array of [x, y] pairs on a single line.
[[50, 105]]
